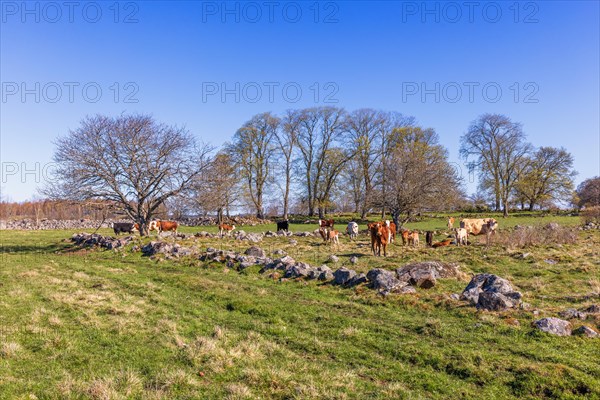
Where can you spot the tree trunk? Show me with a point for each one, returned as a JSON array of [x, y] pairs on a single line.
[[531, 205]]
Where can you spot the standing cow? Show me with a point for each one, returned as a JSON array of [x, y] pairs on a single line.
[[283, 225], [480, 226], [352, 229], [125, 227]]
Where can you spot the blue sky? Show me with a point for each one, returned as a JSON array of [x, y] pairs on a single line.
[[172, 60]]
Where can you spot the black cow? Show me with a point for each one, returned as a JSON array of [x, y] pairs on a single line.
[[283, 226], [125, 227], [429, 238]]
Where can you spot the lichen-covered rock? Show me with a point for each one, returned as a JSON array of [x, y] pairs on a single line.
[[298, 270], [353, 260], [322, 273], [554, 326], [499, 293], [343, 275], [357, 280], [571, 313], [255, 251], [383, 279], [586, 331], [333, 258]]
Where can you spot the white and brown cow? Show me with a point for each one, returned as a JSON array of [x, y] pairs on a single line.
[[352, 229]]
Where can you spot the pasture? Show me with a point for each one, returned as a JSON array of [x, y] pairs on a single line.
[[98, 324]]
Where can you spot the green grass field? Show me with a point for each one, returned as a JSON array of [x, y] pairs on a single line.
[[90, 323]]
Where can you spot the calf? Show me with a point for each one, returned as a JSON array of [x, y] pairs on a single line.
[[450, 223], [283, 225], [125, 227], [225, 229], [413, 238], [461, 235], [405, 235], [443, 243], [333, 237], [352, 230], [429, 238]]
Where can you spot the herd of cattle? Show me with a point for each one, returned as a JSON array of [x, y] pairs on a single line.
[[382, 233]]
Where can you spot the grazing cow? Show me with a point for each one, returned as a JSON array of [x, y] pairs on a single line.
[[125, 227], [392, 228], [283, 225], [450, 223], [326, 223], [162, 226], [352, 230], [413, 238], [429, 238], [167, 226], [382, 236], [461, 235], [405, 235], [443, 243], [225, 229], [479, 226]]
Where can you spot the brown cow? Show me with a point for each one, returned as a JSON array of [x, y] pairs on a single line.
[[443, 243], [163, 226], [405, 235], [333, 237], [450, 223], [382, 239], [326, 223], [413, 238], [225, 228]]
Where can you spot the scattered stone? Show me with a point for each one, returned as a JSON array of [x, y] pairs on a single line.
[[322, 273], [298, 270], [357, 280], [586, 331], [384, 280], [550, 261], [593, 309], [293, 242], [411, 273], [279, 252], [255, 251], [490, 292], [554, 326], [343, 275], [571, 313], [455, 296], [333, 258], [353, 260]]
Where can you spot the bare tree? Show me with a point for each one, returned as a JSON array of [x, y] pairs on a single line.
[[324, 150], [363, 126], [130, 160], [548, 176], [252, 149], [216, 188], [496, 147], [419, 175], [387, 128], [287, 138]]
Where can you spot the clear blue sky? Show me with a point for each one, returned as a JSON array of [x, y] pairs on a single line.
[[174, 59]]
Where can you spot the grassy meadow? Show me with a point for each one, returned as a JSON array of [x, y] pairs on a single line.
[[97, 324]]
